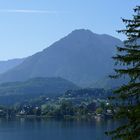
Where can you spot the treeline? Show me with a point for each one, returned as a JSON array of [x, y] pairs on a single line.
[[74, 104]]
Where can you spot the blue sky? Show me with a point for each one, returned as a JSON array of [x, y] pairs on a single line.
[[29, 26]]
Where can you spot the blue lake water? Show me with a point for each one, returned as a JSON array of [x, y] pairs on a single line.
[[32, 129]]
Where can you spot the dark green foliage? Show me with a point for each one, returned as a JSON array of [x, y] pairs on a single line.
[[91, 107], [89, 92], [128, 95]]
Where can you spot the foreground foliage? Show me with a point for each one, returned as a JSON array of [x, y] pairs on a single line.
[[127, 97]]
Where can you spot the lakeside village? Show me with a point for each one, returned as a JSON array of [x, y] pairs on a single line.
[[84, 104]]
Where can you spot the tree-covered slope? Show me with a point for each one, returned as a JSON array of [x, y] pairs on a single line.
[[37, 86], [19, 91]]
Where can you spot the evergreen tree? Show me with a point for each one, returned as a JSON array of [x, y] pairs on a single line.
[[127, 97]]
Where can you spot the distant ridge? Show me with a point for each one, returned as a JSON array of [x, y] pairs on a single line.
[[9, 64]]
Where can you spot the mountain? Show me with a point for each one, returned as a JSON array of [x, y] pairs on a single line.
[[9, 64], [13, 92], [108, 83], [82, 57]]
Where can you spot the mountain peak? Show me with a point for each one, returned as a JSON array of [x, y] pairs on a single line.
[[79, 57], [80, 36], [82, 32]]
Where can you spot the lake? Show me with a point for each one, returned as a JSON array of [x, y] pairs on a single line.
[[38, 129]]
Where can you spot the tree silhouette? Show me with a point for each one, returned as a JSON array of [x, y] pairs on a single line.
[[127, 97]]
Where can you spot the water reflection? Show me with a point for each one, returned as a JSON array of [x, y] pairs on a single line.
[[40, 129]]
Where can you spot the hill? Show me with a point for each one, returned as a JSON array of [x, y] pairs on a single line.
[[20, 91]]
